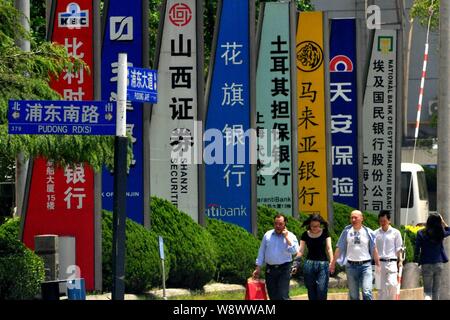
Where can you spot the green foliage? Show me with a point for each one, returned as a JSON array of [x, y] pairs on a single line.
[[142, 262], [421, 10], [409, 243], [153, 18], [191, 248], [237, 250], [21, 271], [10, 228], [265, 222]]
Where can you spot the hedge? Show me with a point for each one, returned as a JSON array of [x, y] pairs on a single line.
[[237, 250], [142, 262], [21, 271], [191, 248]]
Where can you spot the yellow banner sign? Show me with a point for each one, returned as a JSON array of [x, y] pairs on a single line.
[[312, 156]]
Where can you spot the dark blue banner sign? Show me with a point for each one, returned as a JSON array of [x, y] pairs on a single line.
[[228, 179], [61, 117], [141, 85], [344, 121], [122, 33]]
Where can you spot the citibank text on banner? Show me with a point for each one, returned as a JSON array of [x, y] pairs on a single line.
[[229, 185]]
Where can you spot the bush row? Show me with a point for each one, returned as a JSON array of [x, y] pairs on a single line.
[[194, 255]]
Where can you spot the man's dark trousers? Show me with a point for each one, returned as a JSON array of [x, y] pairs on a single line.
[[277, 281]]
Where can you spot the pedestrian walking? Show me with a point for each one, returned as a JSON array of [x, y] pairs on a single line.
[[355, 250], [320, 253], [276, 250], [389, 246], [430, 253]]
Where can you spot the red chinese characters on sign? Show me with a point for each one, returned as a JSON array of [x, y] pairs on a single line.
[[61, 202]]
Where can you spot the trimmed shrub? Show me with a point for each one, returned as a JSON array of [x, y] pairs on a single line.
[[142, 262], [21, 271], [11, 228], [191, 248], [237, 250]]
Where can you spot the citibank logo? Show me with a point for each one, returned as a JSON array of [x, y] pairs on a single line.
[[74, 17], [341, 63], [216, 210], [121, 28]]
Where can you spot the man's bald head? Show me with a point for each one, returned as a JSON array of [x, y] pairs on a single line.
[[356, 218]]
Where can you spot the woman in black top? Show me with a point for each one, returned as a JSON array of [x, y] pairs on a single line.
[[316, 266]]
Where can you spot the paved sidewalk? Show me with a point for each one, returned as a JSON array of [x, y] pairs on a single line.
[[405, 294]]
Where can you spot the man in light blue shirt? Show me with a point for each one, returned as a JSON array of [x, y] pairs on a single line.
[[277, 248]]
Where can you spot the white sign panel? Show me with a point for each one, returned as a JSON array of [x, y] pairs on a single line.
[[173, 169], [379, 118]]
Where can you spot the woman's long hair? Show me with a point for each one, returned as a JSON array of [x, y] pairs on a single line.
[[434, 229], [315, 217]]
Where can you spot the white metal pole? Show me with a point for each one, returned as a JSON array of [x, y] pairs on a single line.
[[122, 96]]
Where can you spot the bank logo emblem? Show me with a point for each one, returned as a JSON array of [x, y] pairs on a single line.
[[341, 63], [180, 14], [385, 44], [74, 17], [121, 28], [309, 56]]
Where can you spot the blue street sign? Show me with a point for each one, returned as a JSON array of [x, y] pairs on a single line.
[[61, 117], [161, 248], [141, 85]]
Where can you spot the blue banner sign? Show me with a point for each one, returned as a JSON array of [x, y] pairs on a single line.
[[123, 34], [141, 85], [228, 180], [344, 117], [61, 117]]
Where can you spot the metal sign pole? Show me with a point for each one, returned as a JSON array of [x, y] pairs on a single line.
[[120, 178]]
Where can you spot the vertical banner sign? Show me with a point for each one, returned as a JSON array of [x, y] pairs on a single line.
[[61, 200], [122, 33], [379, 123], [226, 155], [273, 110], [312, 127], [173, 135], [344, 119]]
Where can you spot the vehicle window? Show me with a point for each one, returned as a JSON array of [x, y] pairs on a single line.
[[405, 181], [422, 181]]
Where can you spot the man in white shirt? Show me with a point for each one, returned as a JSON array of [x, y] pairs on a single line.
[[389, 245], [355, 249]]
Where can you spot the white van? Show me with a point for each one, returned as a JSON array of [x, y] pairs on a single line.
[[416, 213]]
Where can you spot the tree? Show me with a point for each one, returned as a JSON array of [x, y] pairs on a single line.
[[26, 76], [421, 10]]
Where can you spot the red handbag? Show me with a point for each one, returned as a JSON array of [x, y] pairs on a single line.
[[255, 289]]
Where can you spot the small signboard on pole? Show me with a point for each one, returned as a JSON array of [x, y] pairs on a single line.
[[142, 85], [161, 255], [61, 117]]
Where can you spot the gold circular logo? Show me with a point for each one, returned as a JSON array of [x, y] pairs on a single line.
[[309, 56]]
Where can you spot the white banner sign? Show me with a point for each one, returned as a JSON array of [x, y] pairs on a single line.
[[379, 119], [172, 129]]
